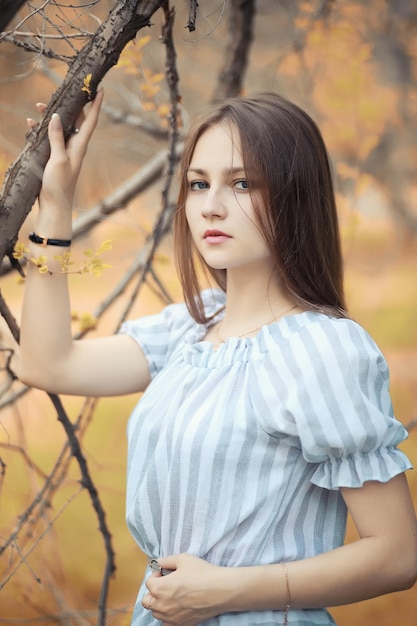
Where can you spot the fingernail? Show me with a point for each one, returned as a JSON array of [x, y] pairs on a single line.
[[55, 121]]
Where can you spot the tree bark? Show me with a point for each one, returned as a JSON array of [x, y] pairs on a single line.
[[240, 34], [23, 179]]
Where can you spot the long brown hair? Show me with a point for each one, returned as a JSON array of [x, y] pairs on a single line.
[[297, 214]]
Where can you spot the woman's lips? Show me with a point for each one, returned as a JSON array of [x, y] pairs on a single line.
[[215, 236]]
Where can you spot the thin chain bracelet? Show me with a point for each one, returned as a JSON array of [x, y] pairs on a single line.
[[288, 598]]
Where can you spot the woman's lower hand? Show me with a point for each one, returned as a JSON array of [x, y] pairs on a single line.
[[193, 592]]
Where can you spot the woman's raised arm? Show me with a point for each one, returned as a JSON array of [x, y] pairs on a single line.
[[49, 358]]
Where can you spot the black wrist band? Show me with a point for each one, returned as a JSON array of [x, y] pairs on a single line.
[[45, 241]]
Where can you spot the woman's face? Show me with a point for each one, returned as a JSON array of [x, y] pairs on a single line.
[[219, 204]]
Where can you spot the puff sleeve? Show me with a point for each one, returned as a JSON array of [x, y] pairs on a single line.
[[342, 408], [160, 335]]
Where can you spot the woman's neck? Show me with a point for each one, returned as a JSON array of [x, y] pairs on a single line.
[[252, 303]]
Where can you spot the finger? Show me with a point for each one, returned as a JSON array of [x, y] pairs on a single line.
[[147, 601], [168, 563], [41, 107], [80, 119], [90, 119], [31, 123], [78, 141], [56, 136]]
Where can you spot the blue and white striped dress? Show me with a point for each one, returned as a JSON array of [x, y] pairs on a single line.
[[237, 455]]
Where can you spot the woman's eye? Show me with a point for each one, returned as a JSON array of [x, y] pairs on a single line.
[[242, 185], [198, 185]]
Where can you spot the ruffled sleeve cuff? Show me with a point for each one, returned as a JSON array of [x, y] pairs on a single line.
[[355, 469]]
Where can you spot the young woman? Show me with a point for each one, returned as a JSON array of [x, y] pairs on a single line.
[[266, 413]]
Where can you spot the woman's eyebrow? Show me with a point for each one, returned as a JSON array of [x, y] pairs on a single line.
[[231, 170]]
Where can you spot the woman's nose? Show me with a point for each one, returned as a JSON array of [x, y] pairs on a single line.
[[213, 204]]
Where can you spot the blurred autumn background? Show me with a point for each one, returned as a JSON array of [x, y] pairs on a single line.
[[353, 67]]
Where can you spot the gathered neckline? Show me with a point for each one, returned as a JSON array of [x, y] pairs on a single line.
[[201, 352]]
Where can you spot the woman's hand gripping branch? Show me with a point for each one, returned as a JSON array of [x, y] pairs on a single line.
[[66, 158]]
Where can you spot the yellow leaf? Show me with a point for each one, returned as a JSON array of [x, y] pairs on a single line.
[[87, 81], [150, 90], [162, 258], [97, 266], [163, 110], [41, 260], [106, 245], [156, 78], [20, 250], [141, 43], [131, 57]]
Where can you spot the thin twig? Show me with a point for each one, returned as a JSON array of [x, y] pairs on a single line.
[[88, 484], [9, 318], [21, 33], [28, 552], [31, 464], [192, 16], [164, 219], [30, 47], [41, 503]]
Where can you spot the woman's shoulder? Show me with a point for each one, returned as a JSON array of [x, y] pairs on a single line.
[[319, 343], [176, 315], [329, 332]]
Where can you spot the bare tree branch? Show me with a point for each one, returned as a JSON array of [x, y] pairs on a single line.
[[43, 498], [192, 15], [9, 318], [239, 39], [116, 115], [135, 121], [116, 200], [172, 80], [163, 221], [23, 179], [87, 483], [121, 196]]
